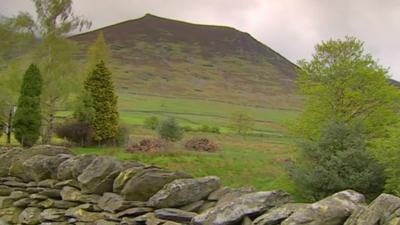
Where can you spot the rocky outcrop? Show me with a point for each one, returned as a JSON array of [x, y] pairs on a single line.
[[51, 186]]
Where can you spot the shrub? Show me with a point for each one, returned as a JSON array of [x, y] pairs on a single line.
[[27, 120], [122, 135], [170, 130], [242, 122], [76, 132], [201, 144], [387, 151], [151, 122], [338, 160]]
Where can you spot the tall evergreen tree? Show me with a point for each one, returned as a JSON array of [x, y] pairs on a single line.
[[27, 120], [98, 51], [100, 88]]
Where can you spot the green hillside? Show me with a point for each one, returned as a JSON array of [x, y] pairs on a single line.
[[199, 73]]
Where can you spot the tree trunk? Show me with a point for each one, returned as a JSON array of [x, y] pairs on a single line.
[[49, 129], [9, 126]]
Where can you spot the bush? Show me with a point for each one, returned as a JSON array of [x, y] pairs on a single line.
[[170, 130], [151, 122], [387, 151], [122, 135], [209, 129], [241, 122], [76, 132], [338, 160], [201, 144], [27, 120]]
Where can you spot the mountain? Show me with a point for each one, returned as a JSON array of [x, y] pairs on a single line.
[[154, 56]]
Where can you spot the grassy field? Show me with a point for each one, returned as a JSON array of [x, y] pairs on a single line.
[[254, 160], [241, 161]]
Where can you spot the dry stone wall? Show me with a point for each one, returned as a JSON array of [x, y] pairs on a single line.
[[50, 185]]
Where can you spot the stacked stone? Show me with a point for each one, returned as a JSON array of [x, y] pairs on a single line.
[[50, 185]]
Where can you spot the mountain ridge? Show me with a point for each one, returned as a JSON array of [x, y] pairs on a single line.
[[176, 58], [149, 16]]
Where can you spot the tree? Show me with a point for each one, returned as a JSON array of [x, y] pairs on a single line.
[[103, 100], [242, 122], [16, 39], [388, 153], [55, 19], [27, 120], [170, 130], [338, 160], [151, 122], [98, 51], [342, 83]]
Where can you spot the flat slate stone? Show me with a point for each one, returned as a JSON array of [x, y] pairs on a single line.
[[175, 215], [133, 212]]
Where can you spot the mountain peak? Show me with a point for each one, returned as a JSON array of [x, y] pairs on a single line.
[[212, 40], [170, 57]]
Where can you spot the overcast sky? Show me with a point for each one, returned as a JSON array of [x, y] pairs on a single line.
[[291, 27]]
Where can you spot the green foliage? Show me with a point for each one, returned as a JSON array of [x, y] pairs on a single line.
[[98, 51], [242, 122], [388, 153], [122, 137], [84, 110], [55, 20], [60, 73], [27, 120], [16, 39], [16, 36], [342, 83], [100, 88], [170, 130], [151, 122], [338, 160]]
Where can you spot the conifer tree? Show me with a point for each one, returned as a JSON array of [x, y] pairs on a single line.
[[100, 88], [98, 51], [27, 120]]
